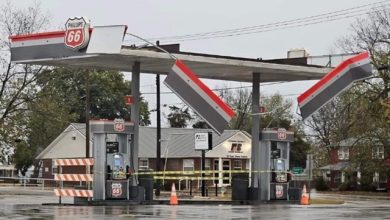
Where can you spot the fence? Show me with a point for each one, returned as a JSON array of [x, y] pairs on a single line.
[[40, 183]]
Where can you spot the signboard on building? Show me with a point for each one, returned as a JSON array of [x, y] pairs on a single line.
[[202, 141]]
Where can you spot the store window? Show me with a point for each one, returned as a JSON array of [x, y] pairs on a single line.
[[188, 164], [143, 164], [237, 164]]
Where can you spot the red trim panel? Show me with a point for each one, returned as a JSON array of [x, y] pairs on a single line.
[[38, 36], [206, 89], [332, 74]]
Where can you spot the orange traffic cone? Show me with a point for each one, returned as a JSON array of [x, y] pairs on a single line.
[[304, 196], [173, 200]]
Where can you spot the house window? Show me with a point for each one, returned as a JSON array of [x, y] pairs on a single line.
[[143, 164], [380, 177], [378, 152], [235, 148], [188, 165], [54, 168], [237, 164], [383, 177], [343, 153]]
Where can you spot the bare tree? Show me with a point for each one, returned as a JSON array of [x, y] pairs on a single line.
[[241, 101], [17, 82]]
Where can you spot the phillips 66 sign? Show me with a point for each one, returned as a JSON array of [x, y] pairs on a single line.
[[77, 33]]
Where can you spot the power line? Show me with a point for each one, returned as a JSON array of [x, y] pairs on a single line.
[[310, 20]]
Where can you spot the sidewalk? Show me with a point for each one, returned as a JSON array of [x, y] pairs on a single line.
[[350, 196], [20, 190]]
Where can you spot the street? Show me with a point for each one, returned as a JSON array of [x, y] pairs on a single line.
[[17, 206]]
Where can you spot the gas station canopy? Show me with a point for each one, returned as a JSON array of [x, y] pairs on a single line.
[[49, 49]]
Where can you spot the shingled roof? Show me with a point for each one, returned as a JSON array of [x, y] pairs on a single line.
[[176, 142]]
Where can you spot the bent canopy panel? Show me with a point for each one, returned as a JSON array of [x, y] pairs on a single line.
[[351, 70]]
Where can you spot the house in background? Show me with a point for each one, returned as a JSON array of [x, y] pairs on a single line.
[[231, 151], [69, 144], [342, 168], [8, 170]]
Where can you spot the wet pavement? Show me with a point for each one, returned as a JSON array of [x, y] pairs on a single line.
[[24, 205]]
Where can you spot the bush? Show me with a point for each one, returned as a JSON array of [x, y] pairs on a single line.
[[321, 184], [368, 187], [347, 186]]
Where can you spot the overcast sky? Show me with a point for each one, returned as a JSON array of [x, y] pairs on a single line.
[[152, 18]]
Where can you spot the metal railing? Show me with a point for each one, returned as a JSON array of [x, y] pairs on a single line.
[[40, 183]]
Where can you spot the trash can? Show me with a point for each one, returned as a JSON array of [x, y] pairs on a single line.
[[294, 194], [146, 181], [240, 184]]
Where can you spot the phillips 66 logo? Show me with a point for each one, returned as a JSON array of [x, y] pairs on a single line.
[[77, 33], [119, 125], [279, 191], [116, 189]]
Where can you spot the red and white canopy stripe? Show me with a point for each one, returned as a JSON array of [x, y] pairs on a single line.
[[186, 84]]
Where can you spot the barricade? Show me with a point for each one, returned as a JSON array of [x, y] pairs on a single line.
[[84, 193]]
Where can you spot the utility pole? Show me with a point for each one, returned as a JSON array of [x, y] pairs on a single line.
[[158, 141], [203, 173]]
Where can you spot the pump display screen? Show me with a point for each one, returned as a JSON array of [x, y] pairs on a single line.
[[118, 171], [279, 165], [117, 162]]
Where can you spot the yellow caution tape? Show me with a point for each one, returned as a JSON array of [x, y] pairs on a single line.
[[205, 172], [189, 178], [194, 172]]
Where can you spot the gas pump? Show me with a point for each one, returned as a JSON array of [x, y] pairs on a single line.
[[118, 164], [112, 163], [277, 144]]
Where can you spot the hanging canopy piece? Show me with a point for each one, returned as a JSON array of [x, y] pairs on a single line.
[[336, 81]]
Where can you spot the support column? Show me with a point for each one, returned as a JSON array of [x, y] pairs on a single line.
[[255, 180], [135, 111], [158, 141], [264, 158], [99, 167]]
